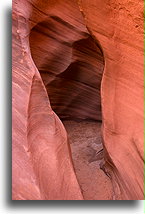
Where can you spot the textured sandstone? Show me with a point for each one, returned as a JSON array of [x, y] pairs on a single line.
[[119, 28], [42, 167], [66, 48]]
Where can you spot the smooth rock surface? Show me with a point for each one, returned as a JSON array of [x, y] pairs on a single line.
[[118, 26], [42, 166]]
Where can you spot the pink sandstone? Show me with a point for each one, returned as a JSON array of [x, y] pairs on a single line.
[[80, 46]]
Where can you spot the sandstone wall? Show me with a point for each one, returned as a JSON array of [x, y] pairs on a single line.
[[41, 157], [118, 26], [42, 167]]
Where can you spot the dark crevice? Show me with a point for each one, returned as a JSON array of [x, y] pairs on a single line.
[[72, 74]]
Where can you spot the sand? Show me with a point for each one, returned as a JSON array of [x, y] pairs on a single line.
[[87, 153]]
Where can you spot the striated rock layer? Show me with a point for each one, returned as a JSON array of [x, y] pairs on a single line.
[[72, 63], [121, 38], [42, 166], [57, 53]]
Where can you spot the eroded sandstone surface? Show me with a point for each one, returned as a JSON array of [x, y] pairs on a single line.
[[77, 59]]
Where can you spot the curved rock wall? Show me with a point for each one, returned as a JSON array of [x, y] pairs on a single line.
[[41, 157], [118, 26], [42, 166]]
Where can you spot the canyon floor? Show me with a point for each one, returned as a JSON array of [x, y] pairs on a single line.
[[87, 153]]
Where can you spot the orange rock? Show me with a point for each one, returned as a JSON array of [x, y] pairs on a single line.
[[118, 26], [67, 48]]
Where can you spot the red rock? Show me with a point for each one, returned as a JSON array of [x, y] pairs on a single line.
[[42, 167], [66, 48], [118, 26]]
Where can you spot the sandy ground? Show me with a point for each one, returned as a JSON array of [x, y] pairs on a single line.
[[86, 146]]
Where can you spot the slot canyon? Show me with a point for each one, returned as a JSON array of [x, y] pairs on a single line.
[[77, 100]]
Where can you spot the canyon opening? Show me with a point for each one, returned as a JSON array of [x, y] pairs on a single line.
[[71, 65]]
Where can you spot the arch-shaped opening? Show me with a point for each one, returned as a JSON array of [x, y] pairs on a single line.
[[71, 65]]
